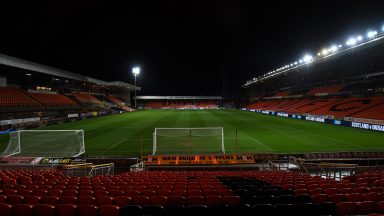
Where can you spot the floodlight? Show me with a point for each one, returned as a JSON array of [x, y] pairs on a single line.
[[324, 51], [351, 42], [371, 34], [359, 38], [307, 58], [300, 60], [295, 63], [318, 54], [333, 48], [136, 71], [340, 46]]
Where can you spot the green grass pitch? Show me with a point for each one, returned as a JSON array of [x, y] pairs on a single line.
[[121, 135]]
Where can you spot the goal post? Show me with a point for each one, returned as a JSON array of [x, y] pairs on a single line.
[[45, 143], [209, 140]]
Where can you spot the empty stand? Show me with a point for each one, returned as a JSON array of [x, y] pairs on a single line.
[[53, 100], [16, 98]]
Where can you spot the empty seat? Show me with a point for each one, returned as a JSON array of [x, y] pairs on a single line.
[[366, 207], [346, 208], [87, 210], [66, 210], [44, 209], [50, 200], [108, 210], [33, 200], [159, 200], [104, 200], [5, 209], [15, 199], [22, 210], [86, 200], [68, 200]]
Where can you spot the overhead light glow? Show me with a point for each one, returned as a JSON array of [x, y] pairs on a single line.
[[300, 60], [351, 42], [307, 58], [136, 71], [359, 38], [324, 52], [371, 34], [333, 48]]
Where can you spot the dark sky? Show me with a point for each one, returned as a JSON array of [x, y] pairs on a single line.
[[182, 47]]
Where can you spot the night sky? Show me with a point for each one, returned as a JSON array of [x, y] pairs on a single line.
[[182, 47]]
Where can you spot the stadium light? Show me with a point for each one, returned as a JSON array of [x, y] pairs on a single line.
[[359, 38], [324, 51], [371, 34], [351, 42], [307, 58], [136, 72], [333, 48]]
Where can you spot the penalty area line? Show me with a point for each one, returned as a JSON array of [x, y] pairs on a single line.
[[123, 140]]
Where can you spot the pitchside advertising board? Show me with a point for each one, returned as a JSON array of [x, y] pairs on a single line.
[[198, 159], [60, 161], [362, 124]]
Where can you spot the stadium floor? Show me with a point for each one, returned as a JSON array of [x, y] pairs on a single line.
[[122, 135]]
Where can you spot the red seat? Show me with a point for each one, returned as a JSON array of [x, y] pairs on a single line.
[[372, 196], [50, 200], [380, 207], [108, 210], [346, 208], [15, 199], [115, 193], [336, 198], [68, 200], [3, 199], [354, 197], [85, 193], [33, 200], [122, 200], [196, 200], [148, 193], [70, 193], [231, 200], [104, 200], [5, 209], [141, 200], [40, 192], [176, 201], [214, 201], [132, 193], [9, 192], [24, 192], [86, 200], [100, 193], [87, 210], [66, 210], [44, 210], [159, 200], [366, 207], [164, 193], [55, 193], [22, 210]]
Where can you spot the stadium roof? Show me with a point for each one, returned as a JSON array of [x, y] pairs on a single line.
[[179, 97], [35, 67]]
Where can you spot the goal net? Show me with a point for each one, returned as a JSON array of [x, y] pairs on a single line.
[[188, 141], [45, 143]]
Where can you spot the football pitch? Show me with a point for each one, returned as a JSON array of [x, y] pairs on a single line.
[[131, 134]]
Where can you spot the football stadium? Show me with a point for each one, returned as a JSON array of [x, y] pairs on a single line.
[[111, 123]]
